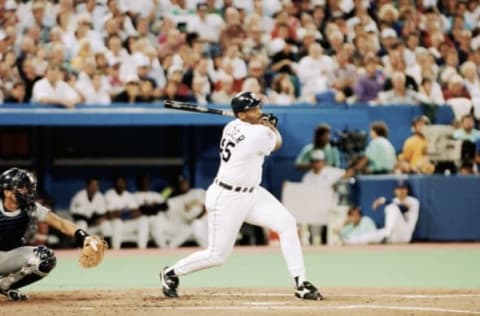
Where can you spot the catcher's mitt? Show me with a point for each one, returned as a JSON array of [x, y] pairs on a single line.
[[92, 252], [271, 118]]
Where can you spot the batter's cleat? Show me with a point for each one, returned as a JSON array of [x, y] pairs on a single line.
[[170, 282], [308, 291], [14, 295]]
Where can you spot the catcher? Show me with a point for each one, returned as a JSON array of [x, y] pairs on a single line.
[[22, 265]]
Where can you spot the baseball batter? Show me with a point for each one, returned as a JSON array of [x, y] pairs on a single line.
[[235, 196], [22, 265]]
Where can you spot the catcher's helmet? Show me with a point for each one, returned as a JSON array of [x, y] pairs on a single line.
[[15, 179], [245, 101]]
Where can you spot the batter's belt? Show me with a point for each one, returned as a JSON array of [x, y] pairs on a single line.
[[234, 188]]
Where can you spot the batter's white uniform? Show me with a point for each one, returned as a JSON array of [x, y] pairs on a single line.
[[236, 196], [398, 227], [81, 205], [157, 224], [123, 229], [182, 214]]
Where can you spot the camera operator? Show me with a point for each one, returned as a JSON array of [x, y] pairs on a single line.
[[380, 156], [321, 140]]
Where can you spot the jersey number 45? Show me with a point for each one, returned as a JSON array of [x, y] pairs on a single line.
[[225, 149]]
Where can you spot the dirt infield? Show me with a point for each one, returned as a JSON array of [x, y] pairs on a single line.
[[215, 302]]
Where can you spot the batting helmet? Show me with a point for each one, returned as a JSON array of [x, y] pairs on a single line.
[[15, 179], [244, 101]]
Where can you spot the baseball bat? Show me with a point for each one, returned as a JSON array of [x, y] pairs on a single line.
[[183, 106]]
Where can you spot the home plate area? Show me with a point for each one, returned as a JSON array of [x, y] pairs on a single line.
[[241, 301]]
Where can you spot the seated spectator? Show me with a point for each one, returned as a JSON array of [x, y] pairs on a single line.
[[29, 77], [472, 82], [323, 174], [53, 90], [430, 92], [186, 215], [371, 83], [467, 130], [399, 94], [225, 94], [456, 88], [313, 72], [343, 77], [198, 90], [401, 215], [251, 84], [321, 140], [380, 155], [356, 225], [125, 217], [413, 158], [89, 210], [283, 91], [17, 93], [131, 94], [152, 205], [99, 94], [148, 93]]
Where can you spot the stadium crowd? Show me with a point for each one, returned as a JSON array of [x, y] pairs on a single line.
[[68, 52]]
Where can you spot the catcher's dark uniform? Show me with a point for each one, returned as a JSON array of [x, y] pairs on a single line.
[[21, 265]]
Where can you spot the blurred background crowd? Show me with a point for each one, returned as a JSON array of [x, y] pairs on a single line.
[[67, 52]]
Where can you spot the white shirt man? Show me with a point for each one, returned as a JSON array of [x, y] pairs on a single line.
[[88, 209], [186, 220], [401, 215], [150, 205], [52, 90], [206, 25], [127, 224], [313, 71], [321, 173]]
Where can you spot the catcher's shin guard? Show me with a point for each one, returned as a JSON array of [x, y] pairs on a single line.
[[38, 266], [170, 282]]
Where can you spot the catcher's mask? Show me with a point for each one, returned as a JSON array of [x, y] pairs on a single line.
[[23, 184]]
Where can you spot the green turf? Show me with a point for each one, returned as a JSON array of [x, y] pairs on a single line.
[[358, 268]]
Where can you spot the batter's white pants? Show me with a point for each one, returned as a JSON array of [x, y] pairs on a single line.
[[227, 210], [130, 230], [396, 230]]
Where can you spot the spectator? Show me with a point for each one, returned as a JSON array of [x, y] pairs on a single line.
[[430, 92], [53, 90], [455, 88], [343, 77], [131, 93], [89, 210], [206, 25], [401, 215], [322, 174], [380, 155], [371, 83], [152, 205], [17, 93], [467, 131], [400, 94], [356, 224], [225, 94], [472, 82], [466, 169], [413, 158], [125, 217], [198, 89], [148, 93], [99, 94], [313, 72], [321, 140], [283, 91]]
